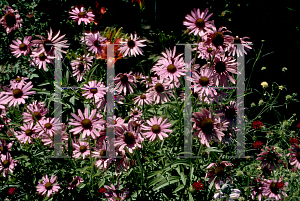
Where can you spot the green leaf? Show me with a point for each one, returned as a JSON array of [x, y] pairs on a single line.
[[165, 182], [191, 197], [81, 185], [191, 173], [178, 188], [155, 180], [212, 149], [154, 173], [101, 182], [43, 84]]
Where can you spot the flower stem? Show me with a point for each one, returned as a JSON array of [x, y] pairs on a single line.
[[141, 168]]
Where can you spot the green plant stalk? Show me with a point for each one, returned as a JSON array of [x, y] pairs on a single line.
[[196, 52], [142, 170], [253, 66], [263, 110], [91, 159], [178, 106]]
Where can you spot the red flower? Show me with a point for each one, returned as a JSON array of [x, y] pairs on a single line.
[[102, 190], [298, 126], [198, 186], [12, 190], [258, 144], [294, 140], [256, 124]]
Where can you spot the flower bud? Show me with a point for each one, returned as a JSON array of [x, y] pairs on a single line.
[[293, 175], [263, 68], [239, 173], [191, 189]]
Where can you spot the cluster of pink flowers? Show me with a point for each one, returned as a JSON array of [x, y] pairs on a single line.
[[272, 189], [7, 163], [214, 46]]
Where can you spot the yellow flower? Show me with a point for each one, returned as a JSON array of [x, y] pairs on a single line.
[[264, 84], [280, 87], [260, 102]]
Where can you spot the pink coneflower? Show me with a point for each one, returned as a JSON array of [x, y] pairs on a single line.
[[136, 125], [269, 158], [172, 67], [28, 133], [132, 46], [274, 189], [81, 148], [81, 16], [218, 97], [11, 19], [116, 121], [207, 126], [123, 83], [48, 126], [81, 66], [47, 186], [222, 66], [198, 22], [220, 172], [143, 99], [156, 128], [168, 55], [136, 113], [101, 103], [94, 89], [4, 147], [86, 123], [114, 193], [7, 164], [2, 107], [239, 51], [295, 156], [103, 162], [18, 47], [126, 137], [48, 140], [202, 82], [218, 39], [207, 52], [19, 80], [159, 91], [257, 189], [17, 94], [230, 113], [139, 77], [48, 44], [35, 111], [121, 164], [40, 59], [94, 43], [6, 121], [75, 182]]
